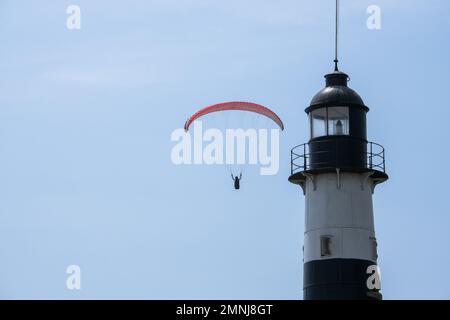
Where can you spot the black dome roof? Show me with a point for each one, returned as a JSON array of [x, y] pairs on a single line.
[[337, 92]]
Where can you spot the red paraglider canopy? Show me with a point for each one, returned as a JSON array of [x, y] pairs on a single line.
[[235, 105]]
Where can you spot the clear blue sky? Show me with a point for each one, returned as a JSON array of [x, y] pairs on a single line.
[[85, 123]]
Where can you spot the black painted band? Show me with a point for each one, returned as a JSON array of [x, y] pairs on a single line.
[[341, 279]]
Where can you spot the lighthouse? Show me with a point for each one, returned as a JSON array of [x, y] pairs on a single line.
[[338, 170]]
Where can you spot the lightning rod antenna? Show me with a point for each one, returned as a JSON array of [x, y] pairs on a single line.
[[336, 52]]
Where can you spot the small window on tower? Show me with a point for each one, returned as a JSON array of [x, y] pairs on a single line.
[[338, 121], [374, 245], [325, 246]]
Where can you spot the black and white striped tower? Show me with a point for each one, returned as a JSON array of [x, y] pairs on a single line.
[[338, 170]]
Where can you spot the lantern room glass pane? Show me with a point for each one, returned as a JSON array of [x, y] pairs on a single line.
[[318, 123], [338, 121]]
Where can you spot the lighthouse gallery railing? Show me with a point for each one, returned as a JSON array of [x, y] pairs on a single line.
[[300, 156]]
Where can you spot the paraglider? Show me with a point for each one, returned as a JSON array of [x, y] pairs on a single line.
[[236, 181], [237, 106]]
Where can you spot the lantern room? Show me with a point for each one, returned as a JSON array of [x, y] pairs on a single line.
[[337, 110], [337, 134]]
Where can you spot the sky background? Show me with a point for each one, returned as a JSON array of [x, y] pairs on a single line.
[[85, 122]]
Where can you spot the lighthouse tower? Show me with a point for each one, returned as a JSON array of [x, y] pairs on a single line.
[[338, 170]]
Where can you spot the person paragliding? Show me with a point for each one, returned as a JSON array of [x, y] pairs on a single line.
[[235, 106], [237, 181]]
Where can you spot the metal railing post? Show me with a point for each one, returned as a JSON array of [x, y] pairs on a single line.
[[291, 161], [304, 156]]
